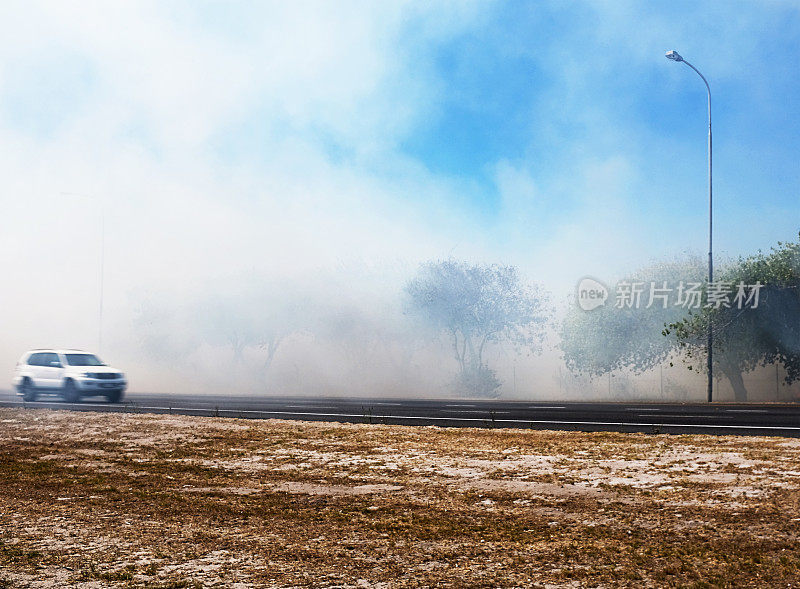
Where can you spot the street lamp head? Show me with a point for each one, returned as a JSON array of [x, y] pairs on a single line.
[[674, 56]]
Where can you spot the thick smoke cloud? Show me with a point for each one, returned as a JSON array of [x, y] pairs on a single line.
[[263, 208]]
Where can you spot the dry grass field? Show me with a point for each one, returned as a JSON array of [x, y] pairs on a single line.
[[96, 500]]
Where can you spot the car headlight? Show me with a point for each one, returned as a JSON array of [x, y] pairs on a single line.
[[88, 374]]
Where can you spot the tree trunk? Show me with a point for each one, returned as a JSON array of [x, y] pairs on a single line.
[[473, 356], [238, 349], [458, 353], [735, 377], [272, 347]]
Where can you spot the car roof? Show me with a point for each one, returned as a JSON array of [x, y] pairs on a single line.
[[57, 351]]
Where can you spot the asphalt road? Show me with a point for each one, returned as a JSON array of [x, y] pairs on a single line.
[[723, 418]]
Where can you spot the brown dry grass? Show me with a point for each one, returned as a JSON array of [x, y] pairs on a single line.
[[99, 500]]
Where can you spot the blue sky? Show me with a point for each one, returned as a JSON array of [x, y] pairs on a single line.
[[549, 88]]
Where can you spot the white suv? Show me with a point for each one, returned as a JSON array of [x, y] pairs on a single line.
[[70, 373]]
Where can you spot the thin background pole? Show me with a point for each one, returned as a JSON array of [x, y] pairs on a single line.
[[102, 263]]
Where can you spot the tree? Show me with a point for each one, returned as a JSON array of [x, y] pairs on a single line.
[[249, 317], [478, 305], [613, 337], [256, 317], [762, 332], [162, 332]]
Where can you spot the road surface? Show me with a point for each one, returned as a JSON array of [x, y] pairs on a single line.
[[718, 418]]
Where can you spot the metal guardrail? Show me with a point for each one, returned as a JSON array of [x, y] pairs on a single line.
[[368, 416]]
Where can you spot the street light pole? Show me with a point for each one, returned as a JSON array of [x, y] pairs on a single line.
[[674, 56], [102, 276]]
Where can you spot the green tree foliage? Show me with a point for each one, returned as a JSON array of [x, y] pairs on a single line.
[[476, 306], [609, 338], [747, 337]]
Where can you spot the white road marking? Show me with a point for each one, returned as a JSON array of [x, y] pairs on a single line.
[[683, 416], [746, 411], [484, 412]]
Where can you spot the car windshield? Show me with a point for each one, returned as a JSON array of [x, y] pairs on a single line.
[[83, 360]]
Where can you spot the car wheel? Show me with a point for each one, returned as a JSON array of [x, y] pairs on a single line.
[[114, 396], [70, 393], [28, 391]]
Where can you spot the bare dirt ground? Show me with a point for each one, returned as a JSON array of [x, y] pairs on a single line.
[[97, 500]]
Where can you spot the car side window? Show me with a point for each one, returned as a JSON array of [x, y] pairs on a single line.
[[50, 357], [35, 359]]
